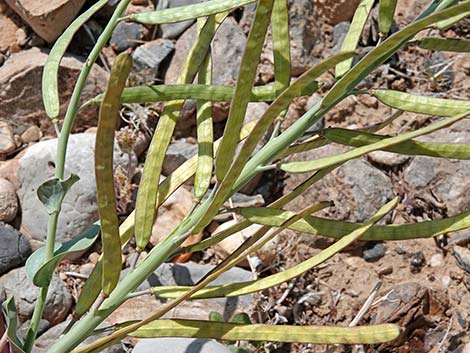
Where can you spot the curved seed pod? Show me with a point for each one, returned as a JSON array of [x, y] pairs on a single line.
[[245, 83], [386, 13], [50, 90], [439, 150], [441, 44], [281, 44], [420, 104], [242, 288], [446, 24], [354, 34], [205, 135], [383, 51], [104, 148], [188, 12], [306, 166], [261, 332]]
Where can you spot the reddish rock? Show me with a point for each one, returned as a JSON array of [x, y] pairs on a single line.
[[334, 11]]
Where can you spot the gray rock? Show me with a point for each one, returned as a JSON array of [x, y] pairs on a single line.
[[373, 251], [339, 33], [447, 178], [127, 35], [45, 341], [173, 30], [388, 159], [149, 56], [44, 325], [21, 95], [14, 248], [18, 285], [7, 140], [178, 152], [179, 345], [227, 50], [32, 134], [79, 209], [357, 188], [8, 201], [169, 274]]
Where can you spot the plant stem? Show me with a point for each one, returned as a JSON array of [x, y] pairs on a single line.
[[61, 157]]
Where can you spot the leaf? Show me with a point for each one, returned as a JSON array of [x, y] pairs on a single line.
[[245, 83], [306, 166], [40, 273], [104, 171], [242, 288], [446, 24], [358, 139], [281, 44], [386, 13], [9, 311], [420, 104], [52, 192], [260, 332], [205, 135], [447, 44], [337, 229], [383, 51], [188, 12], [216, 316], [50, 90], [148, 189], [240, 318], [354, 34]]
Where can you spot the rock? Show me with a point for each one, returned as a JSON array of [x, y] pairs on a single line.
[[32, 134], [339, 33], [79, 209], [447, 179], [417, 261], [357, 188], [45, 341], [169, 274], [44, 325], [254, 111], [227, 50], [14, 248], [177, 153], [47, 19], [334, 11], [9, 24], [180, 345], [8, 201], [7, 140], [171, 213], [388, 159], [127, 35], [173, 30], [58, 301], [21, 96], [462, 257], [151, 55], [437, 260], [373, 252]]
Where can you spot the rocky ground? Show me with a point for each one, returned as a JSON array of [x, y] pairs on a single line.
[[424, 284]]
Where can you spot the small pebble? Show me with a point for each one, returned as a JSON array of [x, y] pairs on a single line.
[[437, 260], [417, 261], [446, 281], [32, 134], [384, 270], [373, 252]]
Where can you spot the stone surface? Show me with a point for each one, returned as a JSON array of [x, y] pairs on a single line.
[[14, 248], [79, 209], [447, 179], [32, 134], [334, 11], [357, 188], [227, 50], [388, 159], [58, 301], [8, 201], [169, 274], [171, 213], [177, 153], [20, 90], [7, 140], [151, 55], [127, 35], [179, 345], [9, 24], [45, 341], [173, 30], [48, 19]]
